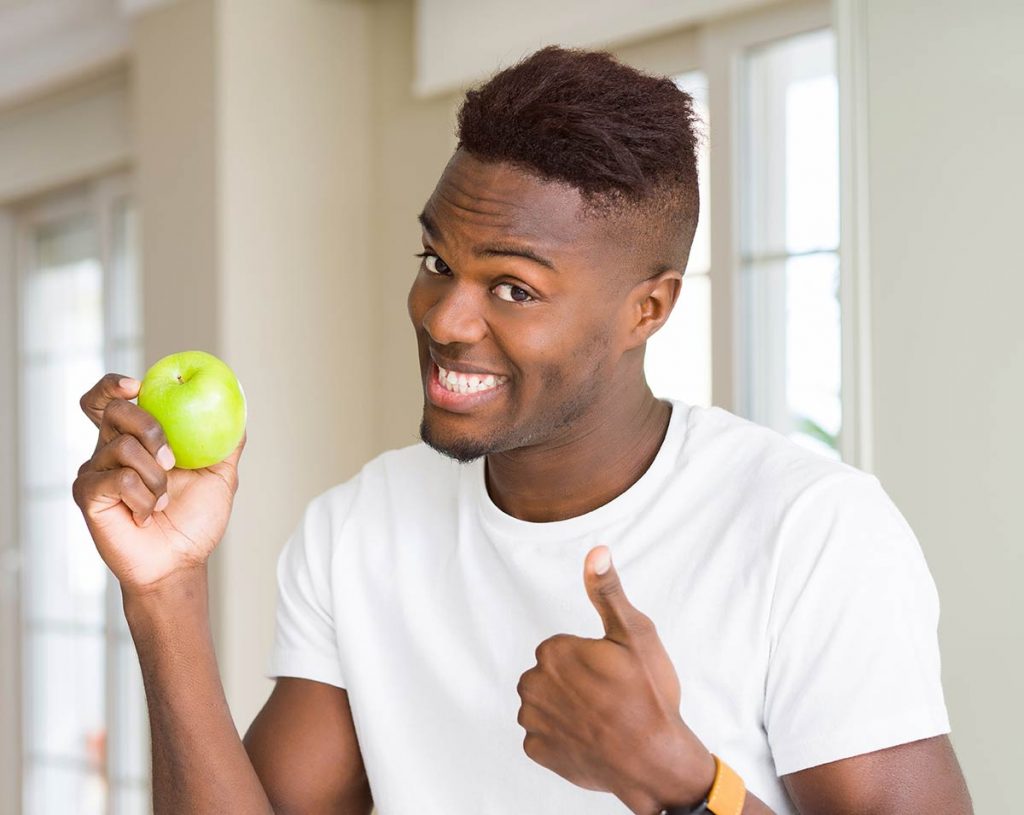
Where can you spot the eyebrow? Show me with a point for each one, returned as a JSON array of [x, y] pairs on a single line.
[[493, 249]]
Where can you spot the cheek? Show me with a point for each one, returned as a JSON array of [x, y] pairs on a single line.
[[553, 350], [416, 302]]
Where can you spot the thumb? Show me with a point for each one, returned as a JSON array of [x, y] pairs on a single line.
[[622, 622]]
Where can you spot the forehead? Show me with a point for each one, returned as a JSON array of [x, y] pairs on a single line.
[[477, 200]]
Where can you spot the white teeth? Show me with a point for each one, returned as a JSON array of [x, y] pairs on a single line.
[[468, 383]]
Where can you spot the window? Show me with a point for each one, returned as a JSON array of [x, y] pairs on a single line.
[[83, 730], [759, 327], [678, 359], [789, 240]]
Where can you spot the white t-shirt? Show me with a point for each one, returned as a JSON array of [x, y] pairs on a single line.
[[789, 591]]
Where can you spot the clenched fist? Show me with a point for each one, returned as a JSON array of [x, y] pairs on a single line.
[[604, 713], [150, 520]]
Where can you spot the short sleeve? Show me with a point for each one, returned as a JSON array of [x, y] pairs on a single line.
[[305, 643], [854, 661]]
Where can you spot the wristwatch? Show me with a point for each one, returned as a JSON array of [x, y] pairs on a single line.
[[726, 797]]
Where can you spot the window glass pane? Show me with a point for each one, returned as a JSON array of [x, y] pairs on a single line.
[[57, 436], [791, 362], [64, 578], [65, 716], [695, 83], [813, 350], [60, 789], [812, 157], [677, 361], [132, 800], [792, 353], [125, 311], [129, 752], [63, 308], [790, 174]]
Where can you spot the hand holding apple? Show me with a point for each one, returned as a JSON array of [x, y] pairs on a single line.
[[150, 519]]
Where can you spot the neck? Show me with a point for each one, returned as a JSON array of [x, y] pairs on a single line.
[[602, 456]]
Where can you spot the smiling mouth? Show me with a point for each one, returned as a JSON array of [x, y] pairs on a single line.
[[465, 383]]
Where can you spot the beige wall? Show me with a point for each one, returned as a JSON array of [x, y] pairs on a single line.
[[66, 135], [294, 172], [254, 178], [413, 141], [946, 125]]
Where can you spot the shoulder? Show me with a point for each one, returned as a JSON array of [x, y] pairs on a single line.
[[409, 475], [754, 462]]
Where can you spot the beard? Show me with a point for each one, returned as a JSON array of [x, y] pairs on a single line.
[[552, 420]]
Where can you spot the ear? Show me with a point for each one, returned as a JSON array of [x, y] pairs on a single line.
[[652, 301]]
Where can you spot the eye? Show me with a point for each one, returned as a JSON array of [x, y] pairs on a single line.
[[512, 293], [434, 264]]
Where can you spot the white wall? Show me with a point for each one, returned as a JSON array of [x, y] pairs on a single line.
[[946, 125]]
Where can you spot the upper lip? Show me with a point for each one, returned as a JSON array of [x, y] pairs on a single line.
[[461, 367]]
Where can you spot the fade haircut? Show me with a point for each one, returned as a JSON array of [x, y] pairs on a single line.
[[626, 140]]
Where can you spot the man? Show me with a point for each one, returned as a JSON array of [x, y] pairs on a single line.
[[452, 634]]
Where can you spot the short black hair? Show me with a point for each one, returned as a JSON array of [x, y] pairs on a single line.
[[626, 140]]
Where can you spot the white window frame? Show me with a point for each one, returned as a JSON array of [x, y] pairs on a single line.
[[718, 48], [97, 198]]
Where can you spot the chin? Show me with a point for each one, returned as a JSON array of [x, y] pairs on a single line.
[[463, 449]]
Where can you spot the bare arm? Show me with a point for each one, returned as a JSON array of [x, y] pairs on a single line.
[[304, 748], [155, 526], [199, 764], [918, 778]]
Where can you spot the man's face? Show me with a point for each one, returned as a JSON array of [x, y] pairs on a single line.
[[518, 306]]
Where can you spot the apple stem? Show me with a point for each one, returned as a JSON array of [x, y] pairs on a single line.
[[182, 381]]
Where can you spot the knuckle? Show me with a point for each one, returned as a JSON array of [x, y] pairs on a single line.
[[640, 623], [113, 410], [552, 646], [124, 445], [610, 590], [76, 491], [153, 434], [129, 480]]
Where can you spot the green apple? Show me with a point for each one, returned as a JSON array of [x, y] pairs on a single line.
[[200, 404]]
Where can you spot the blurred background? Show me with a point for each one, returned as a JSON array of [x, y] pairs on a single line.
[[243, 177]]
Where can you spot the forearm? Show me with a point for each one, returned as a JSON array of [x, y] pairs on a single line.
[[199, 763], [752, 805]]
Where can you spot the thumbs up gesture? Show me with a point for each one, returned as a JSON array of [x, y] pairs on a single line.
[[604, 713]]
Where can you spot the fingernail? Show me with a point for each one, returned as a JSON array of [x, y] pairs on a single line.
[[128, 383], [161, 503], [602, 562], [165, 458], [147, 522]]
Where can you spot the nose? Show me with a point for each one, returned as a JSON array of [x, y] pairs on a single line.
[[455, 317]]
